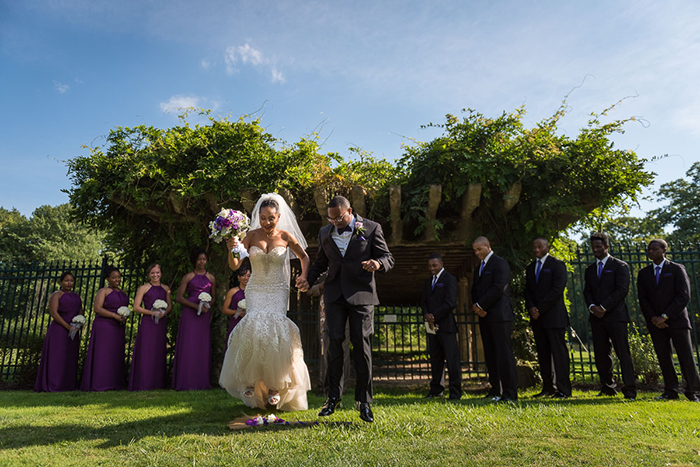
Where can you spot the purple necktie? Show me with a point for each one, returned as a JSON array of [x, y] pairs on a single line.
[[434, 281], [537, 270], [482, 268], [658, 273], [600, 269]]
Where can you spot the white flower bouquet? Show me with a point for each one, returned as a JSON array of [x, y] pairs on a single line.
[[76, 323], [229, 223], [203, 298], [123, 311], [159, 306], [241, 306]]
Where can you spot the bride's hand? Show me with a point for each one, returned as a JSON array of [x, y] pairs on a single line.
[[232, 243]]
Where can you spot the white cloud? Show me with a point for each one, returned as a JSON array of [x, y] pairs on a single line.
[[206, 64], [248, 55], [180, 102], [60, 87], [277, 76]]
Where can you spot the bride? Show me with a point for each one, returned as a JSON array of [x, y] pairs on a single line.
[[265, 361]]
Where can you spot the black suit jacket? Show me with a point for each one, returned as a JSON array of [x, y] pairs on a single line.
[[547, 294], [346, 277], [490, 290], [670, 296], [609, 291], [441, 301]]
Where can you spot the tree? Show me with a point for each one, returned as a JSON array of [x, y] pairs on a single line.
[[683, 211], [50, 234], [512, 183]]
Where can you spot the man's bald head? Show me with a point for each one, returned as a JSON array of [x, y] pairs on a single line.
[[481, 240], [481, 247]]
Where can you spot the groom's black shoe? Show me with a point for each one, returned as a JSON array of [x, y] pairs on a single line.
[[365, 412], [330, 405]]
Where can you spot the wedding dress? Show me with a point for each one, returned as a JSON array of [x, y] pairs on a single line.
[[264, 349]]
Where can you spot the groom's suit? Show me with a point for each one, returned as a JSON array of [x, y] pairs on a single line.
[[350, 294]]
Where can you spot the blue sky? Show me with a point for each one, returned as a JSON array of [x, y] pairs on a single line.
[[368, 73]]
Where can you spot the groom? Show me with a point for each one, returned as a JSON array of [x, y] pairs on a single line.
[[351, 249]]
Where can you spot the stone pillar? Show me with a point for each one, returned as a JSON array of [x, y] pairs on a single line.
[[395, 214], [357, 200], [434, 196]]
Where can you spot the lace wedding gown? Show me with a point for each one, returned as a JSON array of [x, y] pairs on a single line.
[[264, 349]]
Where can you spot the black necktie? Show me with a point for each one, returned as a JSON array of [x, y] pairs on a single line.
[[344, 229]]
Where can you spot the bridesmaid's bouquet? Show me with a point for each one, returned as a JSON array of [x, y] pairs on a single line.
[[241, 306], [124, 311], [203, 298], [229, 223], [76, 323], [159, 306]]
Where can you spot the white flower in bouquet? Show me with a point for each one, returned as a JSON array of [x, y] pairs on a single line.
[[124, 311], [159, 306], [241, 306], [203, 298], [78, 319], [76, 323]]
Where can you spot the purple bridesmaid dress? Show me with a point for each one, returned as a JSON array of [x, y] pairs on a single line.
[[148, 361], [192, 361], [104, 364], [237, 297], [58, 370]]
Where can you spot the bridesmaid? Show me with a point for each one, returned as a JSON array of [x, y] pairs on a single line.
[[148, 363], [104, 363], [233, 296], [192, 361], [58, 370]]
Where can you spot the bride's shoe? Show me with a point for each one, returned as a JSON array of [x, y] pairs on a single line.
[[273, 399], [249, 392]]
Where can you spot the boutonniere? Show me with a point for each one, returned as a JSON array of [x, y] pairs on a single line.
[[360, 230]]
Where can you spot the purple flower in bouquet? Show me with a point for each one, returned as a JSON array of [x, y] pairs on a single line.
[[229, 223]]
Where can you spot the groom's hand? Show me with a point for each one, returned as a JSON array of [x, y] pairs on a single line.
[[302, 284], [371, 265]]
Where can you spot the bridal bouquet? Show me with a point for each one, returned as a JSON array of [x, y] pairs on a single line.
[[229, 223], [241, 306], [124, 311], [203, 298], [159, 306], [75, 325]]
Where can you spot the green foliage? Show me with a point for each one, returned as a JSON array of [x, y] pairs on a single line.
[[50, 234], [534, 181], [683, 211], [644, 359]]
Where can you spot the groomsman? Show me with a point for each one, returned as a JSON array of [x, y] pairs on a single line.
[[663, 289], [492, 303], [607, 284], [545, 281], [438, 303]]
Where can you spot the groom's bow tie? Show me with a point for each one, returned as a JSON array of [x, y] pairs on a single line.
[[344, 229]]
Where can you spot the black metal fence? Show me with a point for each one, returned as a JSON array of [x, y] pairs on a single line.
[[399, 344]]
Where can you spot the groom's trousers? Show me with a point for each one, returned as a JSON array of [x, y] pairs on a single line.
[[361, 318]]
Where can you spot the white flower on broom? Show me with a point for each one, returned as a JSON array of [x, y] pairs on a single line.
[[241, 306], [76, 323], [159, 306], [123, 311], [203, 298]]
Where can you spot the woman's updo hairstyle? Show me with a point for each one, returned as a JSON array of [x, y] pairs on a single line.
[[270, 203]]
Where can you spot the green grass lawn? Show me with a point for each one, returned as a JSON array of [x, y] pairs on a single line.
[[177, 428]]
